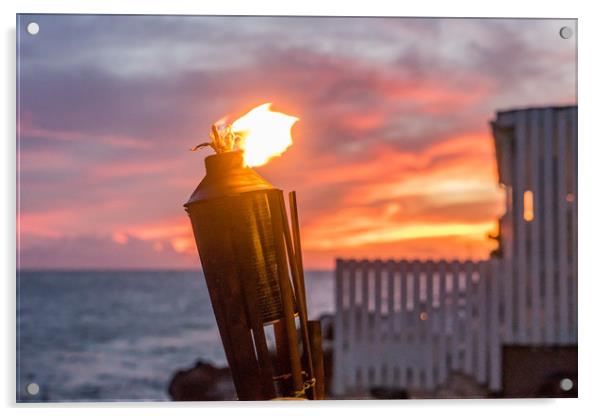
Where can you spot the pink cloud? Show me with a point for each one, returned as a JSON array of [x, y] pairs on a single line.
[[96, 251]]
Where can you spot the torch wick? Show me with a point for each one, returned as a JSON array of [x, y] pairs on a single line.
[[215, 136], [221, 141]]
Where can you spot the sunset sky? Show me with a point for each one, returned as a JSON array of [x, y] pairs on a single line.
[[392, 155]]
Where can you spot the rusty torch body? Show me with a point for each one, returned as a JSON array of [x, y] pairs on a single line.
[[235, 216]]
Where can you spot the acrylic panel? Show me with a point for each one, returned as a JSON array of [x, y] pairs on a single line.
[[429, 249]]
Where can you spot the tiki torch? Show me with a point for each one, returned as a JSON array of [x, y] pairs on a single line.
[[252, 262]]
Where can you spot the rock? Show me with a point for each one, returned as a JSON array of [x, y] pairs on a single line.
[[203, 382]]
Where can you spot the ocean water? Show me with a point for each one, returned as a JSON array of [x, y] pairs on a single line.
[[120, 335]]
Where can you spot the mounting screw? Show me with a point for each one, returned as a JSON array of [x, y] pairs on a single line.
[[566, 32], [33, 28]]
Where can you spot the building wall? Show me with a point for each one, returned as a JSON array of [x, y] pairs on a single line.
[[536, 150]]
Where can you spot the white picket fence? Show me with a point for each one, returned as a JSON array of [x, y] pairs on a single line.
[[409, 324]]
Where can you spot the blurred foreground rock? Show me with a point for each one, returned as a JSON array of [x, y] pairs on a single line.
[[203, 382]]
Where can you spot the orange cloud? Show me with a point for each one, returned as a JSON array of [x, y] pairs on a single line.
[[365, 120], [448, 247], [446, 194]]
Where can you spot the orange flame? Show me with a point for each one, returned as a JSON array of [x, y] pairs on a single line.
[[264, 134]]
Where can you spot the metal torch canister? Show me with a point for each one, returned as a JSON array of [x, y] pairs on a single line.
[[232, 212]]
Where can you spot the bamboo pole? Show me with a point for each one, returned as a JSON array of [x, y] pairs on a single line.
[[297, 240], [283, 359], [300, 296], [314, 328], [286, 291]]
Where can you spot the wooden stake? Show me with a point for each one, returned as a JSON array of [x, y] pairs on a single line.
[[315, 338]]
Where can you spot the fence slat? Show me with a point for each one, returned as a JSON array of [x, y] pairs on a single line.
[[417, 361], [338, 336], [548, 223], [484, 273], [352, 349], [574, 204], [563, 309], [454, 350], [498, 275], [403, 319], [536, 235], [521, 235], [390, 267], [390, 335], [428, 324], [378, 304], [468, 318], [442, 335], [377, 337], [364, 325]]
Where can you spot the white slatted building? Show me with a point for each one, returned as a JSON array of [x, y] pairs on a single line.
[[537, 163], [409, 324]]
